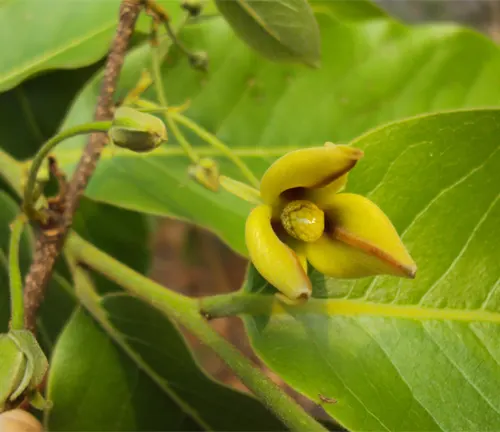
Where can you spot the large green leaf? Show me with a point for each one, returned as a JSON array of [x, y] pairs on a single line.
[[94, 386], [281, 30], [373, 72], [401, 354], [163, 390], [347, 10], [32, 112], [57, 34]]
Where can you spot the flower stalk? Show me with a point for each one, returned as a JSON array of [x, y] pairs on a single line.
[[30, 188], [176, 116]]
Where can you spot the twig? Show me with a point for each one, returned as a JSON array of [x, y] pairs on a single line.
[[48, 247]]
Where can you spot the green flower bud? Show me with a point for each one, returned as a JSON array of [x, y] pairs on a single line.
[[192, 6], [23, 365], [137, 131], [199, 60], [206, 172]]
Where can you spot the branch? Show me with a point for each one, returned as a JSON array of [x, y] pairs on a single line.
[[49, 244]]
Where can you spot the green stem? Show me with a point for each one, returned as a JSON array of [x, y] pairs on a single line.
[[162, 98], [175, 40], [219, 145], [241, 190], [204, 135], [237, 303], [15, 279], [29, 190], [185, 311]]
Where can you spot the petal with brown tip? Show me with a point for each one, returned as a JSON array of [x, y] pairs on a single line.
[[313, 167], [360, 241], [274, 260]]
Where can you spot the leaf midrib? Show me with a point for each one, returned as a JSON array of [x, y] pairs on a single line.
[[342, 307]]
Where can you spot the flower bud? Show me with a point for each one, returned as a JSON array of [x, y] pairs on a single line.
[[137, 131], [199, 60], [206, 172], [23, 365], [193, 7]]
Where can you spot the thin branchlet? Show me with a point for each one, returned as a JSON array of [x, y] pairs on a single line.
[[49, 243]]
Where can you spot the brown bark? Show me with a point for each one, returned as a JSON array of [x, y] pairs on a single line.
[[50, 242]]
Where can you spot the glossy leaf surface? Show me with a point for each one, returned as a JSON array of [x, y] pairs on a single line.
[[403, 354]]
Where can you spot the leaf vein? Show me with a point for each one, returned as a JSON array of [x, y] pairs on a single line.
[[460, 370]]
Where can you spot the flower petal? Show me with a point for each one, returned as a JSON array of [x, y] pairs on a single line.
[[274, 260], [313, 167], [361, 241], [321, 196]]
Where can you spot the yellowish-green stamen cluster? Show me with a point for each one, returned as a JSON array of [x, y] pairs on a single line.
[[303, 220]]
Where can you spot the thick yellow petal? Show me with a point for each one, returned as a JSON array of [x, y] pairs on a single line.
[[360, 241], [313, 167], [274, 260], [321, 196]]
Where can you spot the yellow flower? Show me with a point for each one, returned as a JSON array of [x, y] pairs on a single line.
[[303, 218]]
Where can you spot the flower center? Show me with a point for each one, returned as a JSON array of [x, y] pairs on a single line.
[[303, 220]]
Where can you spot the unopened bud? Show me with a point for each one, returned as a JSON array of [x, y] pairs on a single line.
[[199, 60], [206, 172], [137, 131], [192, 6]]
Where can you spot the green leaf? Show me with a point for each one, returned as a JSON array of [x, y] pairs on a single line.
[[167, 354], [162, 389], [373, 72], [32, 112], [89, 372], [403, 354], [348, 10], [56, 34], [281, 30]]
